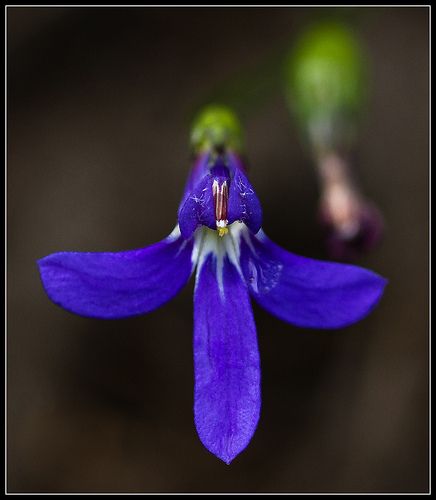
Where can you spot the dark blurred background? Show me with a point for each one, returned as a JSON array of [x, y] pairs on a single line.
[[99, 107]]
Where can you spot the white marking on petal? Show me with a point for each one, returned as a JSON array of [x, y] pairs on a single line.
[[208, 242], [232, 244], [174, 235], [211, 244], [198, 243], [260, 235]]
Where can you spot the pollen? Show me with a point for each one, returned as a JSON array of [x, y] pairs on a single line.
[[222, 231]]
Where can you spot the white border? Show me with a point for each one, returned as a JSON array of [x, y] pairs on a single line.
[[5, 246]]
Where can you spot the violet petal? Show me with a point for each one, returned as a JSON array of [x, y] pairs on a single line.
[[307, 292], [244, 204], [226, 358], [198, 208], [117, 284]]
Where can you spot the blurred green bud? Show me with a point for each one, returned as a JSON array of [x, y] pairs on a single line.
[[216, 127], [326, 83]]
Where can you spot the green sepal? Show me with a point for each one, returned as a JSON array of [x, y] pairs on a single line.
[[326, 82], [216, 127]]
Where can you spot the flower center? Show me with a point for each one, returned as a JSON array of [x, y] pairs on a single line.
[[207, 243], [220, 193]]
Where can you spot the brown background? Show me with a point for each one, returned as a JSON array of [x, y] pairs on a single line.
[[99, 103]]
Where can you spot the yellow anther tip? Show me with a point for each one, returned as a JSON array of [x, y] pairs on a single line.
[[222, 231]]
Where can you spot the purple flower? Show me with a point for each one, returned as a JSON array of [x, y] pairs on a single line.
[[352, 224], [219, 236], [326, 87]]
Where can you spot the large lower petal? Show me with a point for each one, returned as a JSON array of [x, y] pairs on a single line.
[[117, 284], [226, 358], [307, 292]]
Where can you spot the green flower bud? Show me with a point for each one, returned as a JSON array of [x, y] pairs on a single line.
[[216, 127], [326, 83]]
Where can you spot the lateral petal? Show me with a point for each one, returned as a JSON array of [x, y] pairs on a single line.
[[113, 285], [307, 292]]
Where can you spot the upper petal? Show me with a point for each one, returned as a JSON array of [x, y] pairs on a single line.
[[244, 204], [118, 284], [307, 292], [226, 358], [197, 208]]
